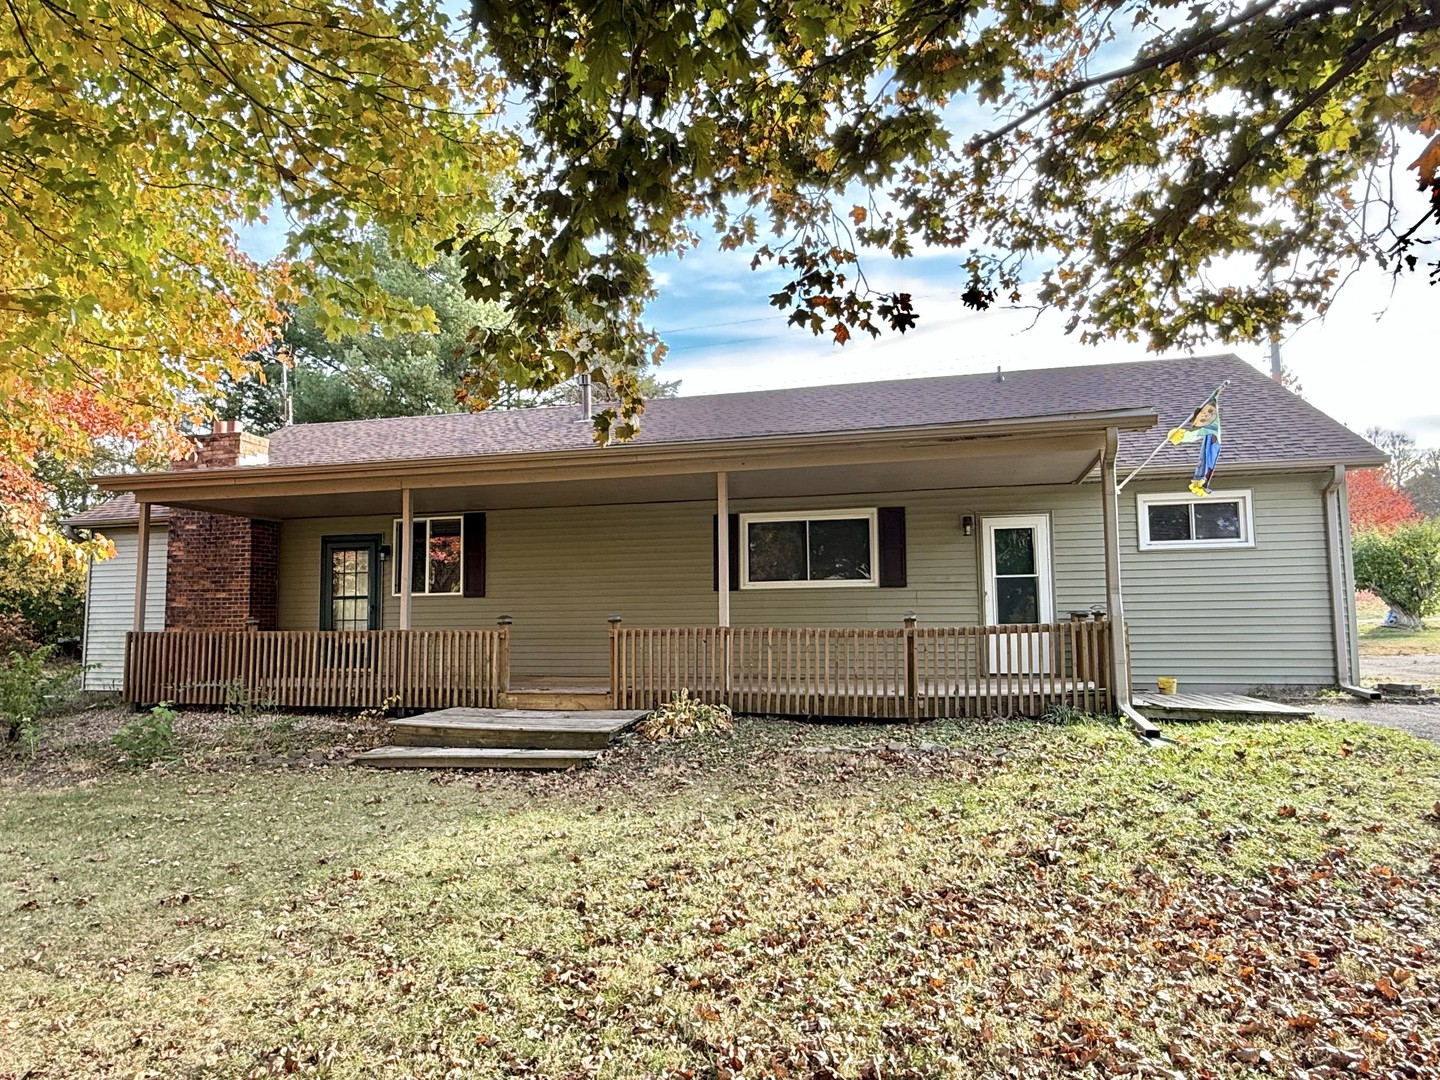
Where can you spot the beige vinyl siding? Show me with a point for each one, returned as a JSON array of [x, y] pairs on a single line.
[[1232, 617], [559, 573], [1235, 616], [110, 605]]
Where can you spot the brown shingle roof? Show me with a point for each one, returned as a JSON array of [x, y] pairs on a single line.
[[121, 510], [1264, 424]]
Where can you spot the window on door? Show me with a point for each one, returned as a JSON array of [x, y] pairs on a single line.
[[350, 583], [1017, 570]]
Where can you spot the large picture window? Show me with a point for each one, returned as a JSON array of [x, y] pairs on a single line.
[[819, 549], [435, 556], [1220, 520]]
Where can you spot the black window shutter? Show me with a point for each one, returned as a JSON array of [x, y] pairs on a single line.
[[734, 540], [892, 547], [473, 557]]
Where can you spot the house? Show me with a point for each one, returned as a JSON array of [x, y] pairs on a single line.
[[909, 547]]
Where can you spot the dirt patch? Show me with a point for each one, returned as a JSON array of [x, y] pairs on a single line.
[[76, 745], [1423, 668]]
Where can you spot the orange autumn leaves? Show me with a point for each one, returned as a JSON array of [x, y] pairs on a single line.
[[1376, 505], [138, 143]]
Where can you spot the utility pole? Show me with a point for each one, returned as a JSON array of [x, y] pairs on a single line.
[[1277, 367], [285, 392]]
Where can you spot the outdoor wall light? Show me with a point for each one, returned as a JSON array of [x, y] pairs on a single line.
[[384, 552], [967, 524]]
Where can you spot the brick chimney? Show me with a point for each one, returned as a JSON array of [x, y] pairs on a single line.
[[223, 571], [229, 444]]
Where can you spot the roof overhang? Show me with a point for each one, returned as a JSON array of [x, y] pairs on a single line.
[[1035, 450]]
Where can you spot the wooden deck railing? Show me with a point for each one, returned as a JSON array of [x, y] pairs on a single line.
[[909, 672], [318, 668]]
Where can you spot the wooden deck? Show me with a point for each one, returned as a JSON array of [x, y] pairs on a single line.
[[907, 672], [904, 673], [499, 739], [1158, 707]]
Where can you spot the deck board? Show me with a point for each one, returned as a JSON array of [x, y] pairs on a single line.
[[1214, 706], [472, 757], [512, 729]]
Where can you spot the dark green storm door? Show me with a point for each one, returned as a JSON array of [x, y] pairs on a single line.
[[350, 583]]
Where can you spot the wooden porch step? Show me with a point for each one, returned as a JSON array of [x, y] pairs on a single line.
[[469, 757], [1161, 707], [515, 729], [557, 699]]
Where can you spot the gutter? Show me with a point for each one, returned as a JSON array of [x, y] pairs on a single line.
[[1342, 589], [701, 456]]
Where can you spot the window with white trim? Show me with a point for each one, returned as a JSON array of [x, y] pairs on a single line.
[[435, 556], [813, 550], [1222, 519]]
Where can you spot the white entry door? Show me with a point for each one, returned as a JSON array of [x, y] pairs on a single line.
[[1018, 589]]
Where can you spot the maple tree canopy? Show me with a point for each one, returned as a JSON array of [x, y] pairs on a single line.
[[1174, 172], [138, 133]]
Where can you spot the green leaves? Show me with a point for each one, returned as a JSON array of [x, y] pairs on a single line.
[[1402, 566], [138, 135], [1237, 140]]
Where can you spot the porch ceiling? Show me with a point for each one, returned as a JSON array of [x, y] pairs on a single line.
[[998, 462]]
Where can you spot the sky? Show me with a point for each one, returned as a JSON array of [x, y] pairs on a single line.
[[1366, 363]]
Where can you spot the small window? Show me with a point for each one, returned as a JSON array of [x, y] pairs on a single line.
[[435, 556], [1221, 519], [823, 549]]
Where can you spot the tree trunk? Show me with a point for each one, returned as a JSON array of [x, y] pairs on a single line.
[[1405, 621]]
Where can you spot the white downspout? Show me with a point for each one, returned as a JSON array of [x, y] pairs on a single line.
[[1342, 589]]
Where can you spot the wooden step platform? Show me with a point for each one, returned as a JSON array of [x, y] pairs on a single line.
[[499, 739], [556, 694], [1161, 707], [470, 757], [513, 728]]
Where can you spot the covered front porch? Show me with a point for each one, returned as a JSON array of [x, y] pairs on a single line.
[[906, 673], [611, 566]]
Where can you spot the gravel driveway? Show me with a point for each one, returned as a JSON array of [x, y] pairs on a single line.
[[1421, 720], [1409, 669]]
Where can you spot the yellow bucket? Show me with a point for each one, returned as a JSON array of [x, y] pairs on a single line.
[[1167, 686]]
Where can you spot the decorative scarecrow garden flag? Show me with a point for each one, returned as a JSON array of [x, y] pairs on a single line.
[[1204, 426]]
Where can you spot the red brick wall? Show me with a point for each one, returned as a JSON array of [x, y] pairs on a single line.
[[221, 570]]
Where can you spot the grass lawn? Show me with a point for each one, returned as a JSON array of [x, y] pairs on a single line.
[[1393, 641], [1369, 607], [1028, 901]]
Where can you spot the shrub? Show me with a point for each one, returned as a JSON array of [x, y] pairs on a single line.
[[683, 716], [15, 633], [29, 689], [1402, 568], [150, 737], [46, 602], [1061, 713]]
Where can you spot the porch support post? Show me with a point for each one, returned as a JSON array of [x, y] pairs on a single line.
[[1114, 601], [142, 566], [403, 556], [722, 578], [722, 548]]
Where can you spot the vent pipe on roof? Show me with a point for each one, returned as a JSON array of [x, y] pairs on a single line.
[[586, 400], [999, 375]]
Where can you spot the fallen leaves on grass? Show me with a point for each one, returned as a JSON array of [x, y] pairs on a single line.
[[1032, 903]]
